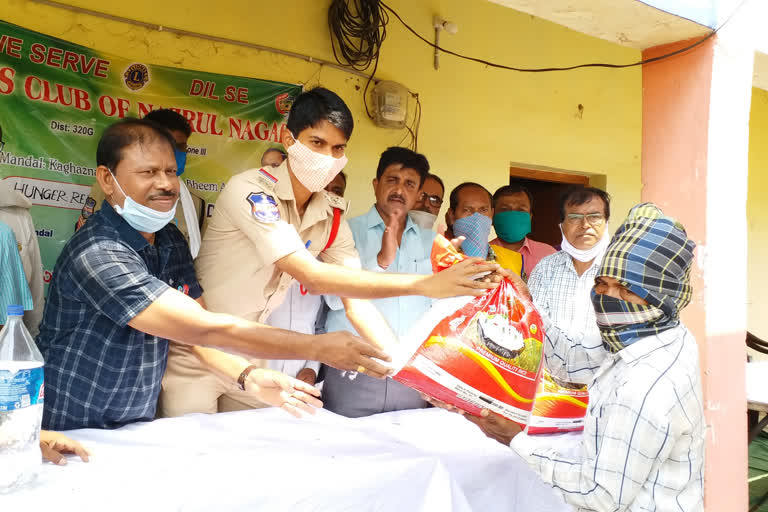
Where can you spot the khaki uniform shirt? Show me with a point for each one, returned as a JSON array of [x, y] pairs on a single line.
[[96, 196], [255, 224]]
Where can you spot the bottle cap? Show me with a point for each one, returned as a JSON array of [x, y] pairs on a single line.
[[15, 310]]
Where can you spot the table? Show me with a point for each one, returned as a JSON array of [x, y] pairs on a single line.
[[757, 394], [757, 401], [422, 460]]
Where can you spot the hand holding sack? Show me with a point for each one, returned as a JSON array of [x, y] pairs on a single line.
[[475, 352]]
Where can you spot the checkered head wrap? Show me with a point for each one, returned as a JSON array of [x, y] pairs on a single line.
[[651, 256]]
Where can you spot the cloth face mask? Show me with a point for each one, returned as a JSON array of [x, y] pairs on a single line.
[[476, 228], [424, 220], [586, 255], [313, 170], [512, 226], [621, 323], [181, 161], [142, 218]]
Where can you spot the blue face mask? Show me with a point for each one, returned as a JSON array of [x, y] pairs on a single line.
[[476, 228], [181, 161], [142, 218]]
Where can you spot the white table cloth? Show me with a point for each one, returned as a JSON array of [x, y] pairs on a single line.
[[757, 385], [422, 460]]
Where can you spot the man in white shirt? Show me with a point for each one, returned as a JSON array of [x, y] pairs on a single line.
[[561, 283], [643, 442]]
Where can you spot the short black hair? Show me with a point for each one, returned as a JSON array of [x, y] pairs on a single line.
[[128, 132], [510, 190], [316, 105], [437, 179], [407, 158], [171, 120], [455, 193], [578, 195]]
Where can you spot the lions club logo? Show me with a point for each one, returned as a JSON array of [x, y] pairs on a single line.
[[283, 103], [136, 76]]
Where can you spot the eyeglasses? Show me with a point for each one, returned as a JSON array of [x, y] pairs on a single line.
[[594, 219], [435, 201]]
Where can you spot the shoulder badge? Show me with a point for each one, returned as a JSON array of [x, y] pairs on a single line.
[[88, 207], [266, 179], [263, 207], [335, 201]]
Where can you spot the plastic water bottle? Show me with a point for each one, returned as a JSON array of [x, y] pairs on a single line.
[[21, 403]]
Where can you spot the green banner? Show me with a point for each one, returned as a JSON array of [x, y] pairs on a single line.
[[56, 98]]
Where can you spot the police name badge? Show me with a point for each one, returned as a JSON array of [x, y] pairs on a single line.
[[263, 207]]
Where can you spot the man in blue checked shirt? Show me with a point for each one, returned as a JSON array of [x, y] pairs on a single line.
[[388, 241], [644, 433], [124, 285]]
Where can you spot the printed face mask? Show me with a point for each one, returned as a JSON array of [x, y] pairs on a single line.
[[313, 170], [424, 220], [476, 228], [512, 226], [142, 218]]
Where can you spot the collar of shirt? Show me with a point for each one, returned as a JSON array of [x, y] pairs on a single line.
[[373, 219], [320, 206], [644, 347], [526, 246]]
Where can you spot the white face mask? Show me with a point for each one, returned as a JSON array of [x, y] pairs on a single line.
[[424, 220], [142, 218], [313, 170], [586, 255]]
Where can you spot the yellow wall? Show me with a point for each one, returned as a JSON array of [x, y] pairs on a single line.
[[757, 216], [476, 120]]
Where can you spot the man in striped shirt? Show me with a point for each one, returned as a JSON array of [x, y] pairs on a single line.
[[561, 283], [642, 447]]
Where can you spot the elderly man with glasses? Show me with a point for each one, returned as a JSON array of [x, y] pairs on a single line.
[[561, 283]]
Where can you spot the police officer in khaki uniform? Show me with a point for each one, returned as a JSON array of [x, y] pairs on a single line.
[[190, 212], [271, 226]]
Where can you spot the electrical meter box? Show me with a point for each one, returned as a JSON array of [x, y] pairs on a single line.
[[391, 104]]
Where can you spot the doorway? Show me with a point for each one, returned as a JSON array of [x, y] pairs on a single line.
[[546, 187]]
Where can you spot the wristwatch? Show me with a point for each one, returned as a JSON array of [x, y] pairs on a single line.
[[243, 376]]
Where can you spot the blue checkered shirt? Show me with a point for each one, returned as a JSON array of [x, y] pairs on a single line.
[[642, 448], [100, 372]]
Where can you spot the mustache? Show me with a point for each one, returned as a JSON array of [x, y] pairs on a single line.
[[165, 193], [396, 197]]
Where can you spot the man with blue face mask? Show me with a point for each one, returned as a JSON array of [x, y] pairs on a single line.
[[190, 212]]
